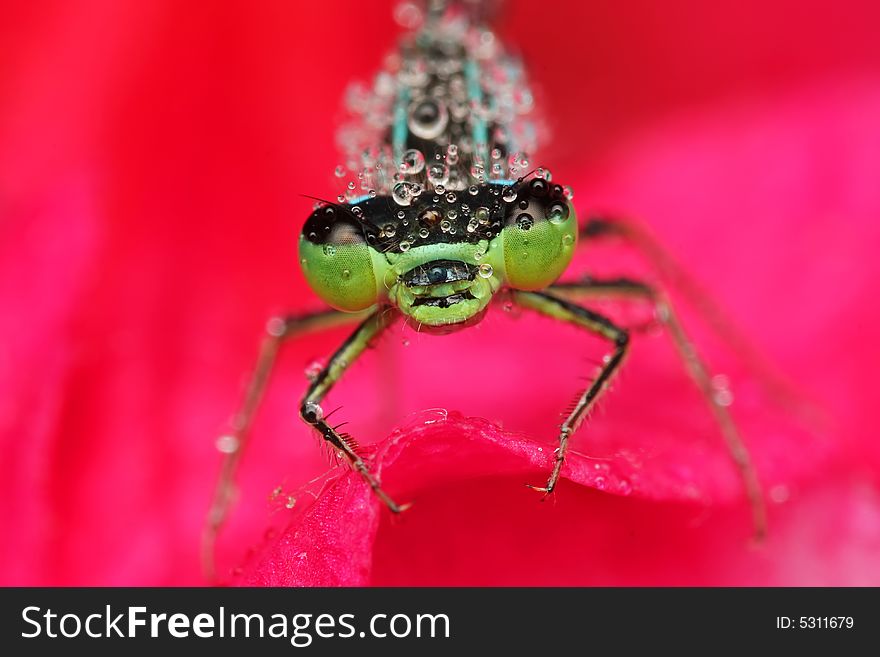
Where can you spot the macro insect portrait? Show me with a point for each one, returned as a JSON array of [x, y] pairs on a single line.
[[439, 293], [443, 216]]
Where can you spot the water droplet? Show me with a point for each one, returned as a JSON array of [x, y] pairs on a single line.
[[340, 198], [412, 162], [478, 255], [445, 225], [372, 193], [452, 154], [624, 487], [568, 191], [485, 270], [780, 493], [291, 502], [350, 185], [452, 215], [525, 221], [438, 175], [339, 171], [482, 215], [473, 190], [329, 250], [722, 393], [227, 444], [404, 246], [509, 194], [408, 15], [276, 327], [430, 217], [313, 369], [600, 483], [389, 230], [405, 342], [424, 232], [517, 162], [451, 197], [567, 239], [314, 410], [346, 274], [428, 118], [402, 193], [557, 213]]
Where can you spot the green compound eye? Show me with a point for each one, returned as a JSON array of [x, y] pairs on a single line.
[[337, 262], [539, 241]]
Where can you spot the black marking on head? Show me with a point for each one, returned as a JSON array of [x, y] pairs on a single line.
[[443, 302], [439, 271], [452, 217], [338, 225], [471, 215]]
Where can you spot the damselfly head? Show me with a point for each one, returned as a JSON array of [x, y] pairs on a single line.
[[440, 257]]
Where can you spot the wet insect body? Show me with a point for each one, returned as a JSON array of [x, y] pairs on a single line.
[[445, 213]]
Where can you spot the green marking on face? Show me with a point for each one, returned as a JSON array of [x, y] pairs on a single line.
[[430, 305]]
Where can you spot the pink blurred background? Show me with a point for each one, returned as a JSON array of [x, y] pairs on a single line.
[[152, 158]]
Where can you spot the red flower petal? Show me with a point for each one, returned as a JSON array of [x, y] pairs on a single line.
[[152, 157]]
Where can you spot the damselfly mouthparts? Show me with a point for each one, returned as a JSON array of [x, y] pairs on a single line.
[[445, 211]]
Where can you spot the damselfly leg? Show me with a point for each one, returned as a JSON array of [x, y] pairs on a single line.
[[280, 330], [310, 409], [566, 311], [697, 369]]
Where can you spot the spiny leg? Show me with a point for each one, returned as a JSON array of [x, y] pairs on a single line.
[[698, 371], [278, 330], [567, 311], [672, 273], [310, 409]]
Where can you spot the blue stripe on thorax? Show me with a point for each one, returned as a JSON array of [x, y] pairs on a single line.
[[480, 131], [399, 130]]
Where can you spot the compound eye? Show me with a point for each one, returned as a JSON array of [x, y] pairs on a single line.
[[539, 237], [336, 260]]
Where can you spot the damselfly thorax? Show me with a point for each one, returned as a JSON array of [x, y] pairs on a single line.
[[440, 209]]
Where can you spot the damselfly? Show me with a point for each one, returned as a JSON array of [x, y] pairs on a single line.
[[443, 214]]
